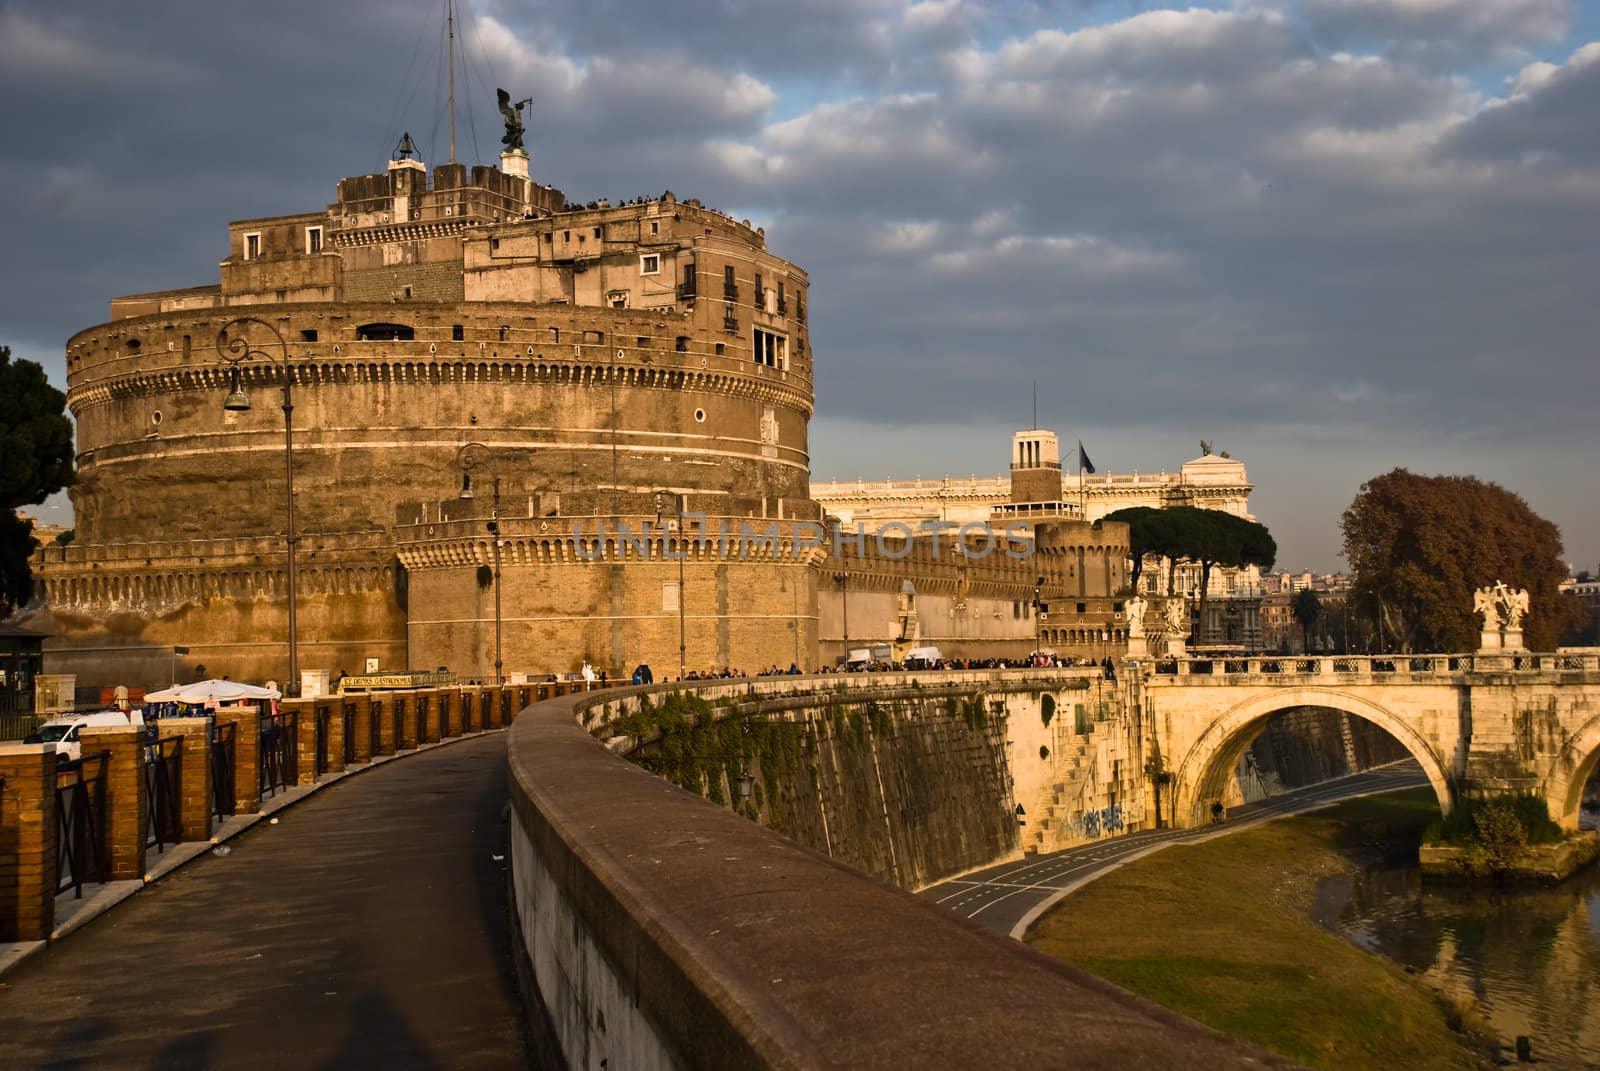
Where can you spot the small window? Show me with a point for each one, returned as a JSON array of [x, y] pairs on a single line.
[[771, 349], [549, 237], [407, 292], [313, 239], [597, 232], [721, 349], [133, 345], [155, 418], [617, 299], [252, 246], [555, 334], [683, 344], [1083, 607], [640, 342], [494, 245], [650, 264], [458, 333], [385, 333], [655, 228], [505, 332], [699, 416], [308, 334], [566, 236]]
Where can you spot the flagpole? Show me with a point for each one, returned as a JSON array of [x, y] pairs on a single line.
[[1083, 501]]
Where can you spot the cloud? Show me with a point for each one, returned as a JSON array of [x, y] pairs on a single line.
[[1441, 32], [1320, 233]]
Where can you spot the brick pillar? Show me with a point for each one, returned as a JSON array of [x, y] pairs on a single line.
[[194, 775], [27, 841], [408, 721], [428, 715], [363, 727], [490, 706], [335, 709], [305, 745], [246, 723], [127, 805]]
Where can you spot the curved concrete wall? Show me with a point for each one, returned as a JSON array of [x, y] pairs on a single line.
[[664, 931]]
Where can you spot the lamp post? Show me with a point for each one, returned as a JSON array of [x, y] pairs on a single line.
[[470, 455], [843, 580], [677, 506], [234, 352]]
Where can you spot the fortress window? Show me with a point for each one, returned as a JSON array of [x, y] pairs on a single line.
[[252, 246], [313, 239], [721, 349], [385, 333], [308, 334], [457, 333], [555, 334], [655, 228], [730, 289], [640, 342], [505, 332], [549, 237], [617, 299], [683, 344], [592, 338], [597, 232], [771, 349], [133, 345], [760, 290], [494, 245], [650, 264], [700, 416], [783, 306]]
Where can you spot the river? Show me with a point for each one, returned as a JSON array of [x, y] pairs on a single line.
[[1529, 956]]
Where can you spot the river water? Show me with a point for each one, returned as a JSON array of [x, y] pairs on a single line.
[[1529, 956]]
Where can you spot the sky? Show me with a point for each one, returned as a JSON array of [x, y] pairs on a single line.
[[1332, 237]]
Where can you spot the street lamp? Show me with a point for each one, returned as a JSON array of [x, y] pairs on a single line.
[[677, 507], [235, 352], [843, 580], [469, 456]]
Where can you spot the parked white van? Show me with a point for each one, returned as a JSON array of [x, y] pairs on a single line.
[[62, 731]]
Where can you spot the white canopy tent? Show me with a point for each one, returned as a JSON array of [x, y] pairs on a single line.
[[213, 692]]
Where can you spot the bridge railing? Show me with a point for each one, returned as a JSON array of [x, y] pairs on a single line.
[[1379, 666]]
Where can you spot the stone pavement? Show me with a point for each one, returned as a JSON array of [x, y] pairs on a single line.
[[366, 929]]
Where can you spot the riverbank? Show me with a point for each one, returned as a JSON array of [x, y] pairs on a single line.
[[1222, 931]]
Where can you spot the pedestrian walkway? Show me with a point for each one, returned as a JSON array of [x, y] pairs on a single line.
[[367, 929]]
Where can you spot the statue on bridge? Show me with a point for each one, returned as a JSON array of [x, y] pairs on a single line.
[[1514, 604], [1135, 609], [1503, 609], [1177, 617], [1486, 601]]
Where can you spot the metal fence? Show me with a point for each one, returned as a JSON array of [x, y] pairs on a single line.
[[17, 726], [349, 734], [224, 754], [162, 759], [278, 758], [320, 715], [81, 822]]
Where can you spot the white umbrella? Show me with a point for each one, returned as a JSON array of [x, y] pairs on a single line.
[[212, 691]]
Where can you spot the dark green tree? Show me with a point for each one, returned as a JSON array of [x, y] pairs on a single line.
[[1206, 537], [35, 462], [1419, 546], [1307, 609]]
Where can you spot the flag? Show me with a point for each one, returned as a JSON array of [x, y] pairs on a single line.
[[1084, 464]]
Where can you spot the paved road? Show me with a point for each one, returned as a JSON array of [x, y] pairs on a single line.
[[366, 929], [1001, 897]]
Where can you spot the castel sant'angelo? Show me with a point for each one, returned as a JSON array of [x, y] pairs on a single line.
[[631, 385]]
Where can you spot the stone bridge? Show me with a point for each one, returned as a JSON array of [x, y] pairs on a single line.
[[1479, 724]]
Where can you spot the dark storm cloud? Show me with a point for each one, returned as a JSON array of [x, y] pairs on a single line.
[[1290, 226]]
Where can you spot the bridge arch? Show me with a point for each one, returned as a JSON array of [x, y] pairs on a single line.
[[1202, 776], [1563, 786]]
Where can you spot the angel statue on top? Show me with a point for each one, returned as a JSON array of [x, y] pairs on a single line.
[[1135, 610], [1486, 601]]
